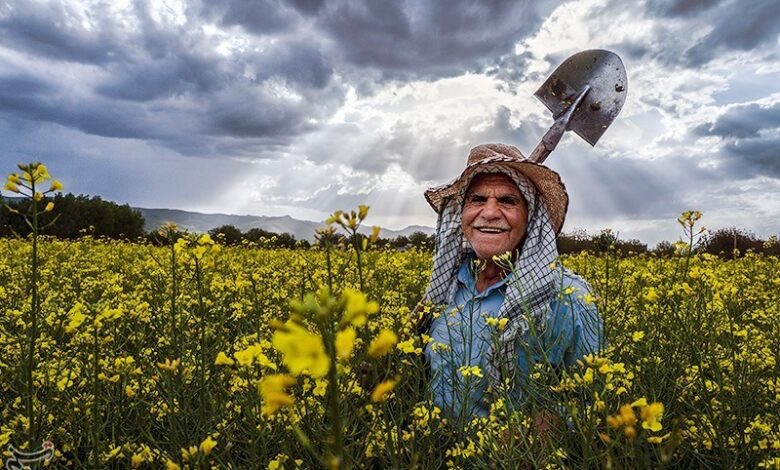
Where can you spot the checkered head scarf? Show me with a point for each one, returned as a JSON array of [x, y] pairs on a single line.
[[529, 288]]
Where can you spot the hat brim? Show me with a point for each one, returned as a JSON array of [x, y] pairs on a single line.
[[547, 182]]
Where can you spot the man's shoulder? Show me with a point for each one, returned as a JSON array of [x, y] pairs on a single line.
[[574, 297], [573, 284]]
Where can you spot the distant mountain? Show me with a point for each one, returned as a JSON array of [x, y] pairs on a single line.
[[301, 229], [198, 222]]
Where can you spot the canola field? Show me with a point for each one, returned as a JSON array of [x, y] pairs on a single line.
[[182, 356], [194, 355]]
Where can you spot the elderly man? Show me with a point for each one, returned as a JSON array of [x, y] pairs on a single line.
[[504, 303]]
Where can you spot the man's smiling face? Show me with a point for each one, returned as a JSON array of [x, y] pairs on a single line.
[[495, 215]]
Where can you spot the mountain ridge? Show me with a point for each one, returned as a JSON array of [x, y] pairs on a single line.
[[300, 229]]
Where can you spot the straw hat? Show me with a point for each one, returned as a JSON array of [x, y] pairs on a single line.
[[492, 158]]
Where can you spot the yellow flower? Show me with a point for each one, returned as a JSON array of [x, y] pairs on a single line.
[[382, 344], [169, 365], [76, 318], [55, 186], [10, 186], [627, 416], [499, 323], [171, 465], [320, 387], [114, 378], [223, 360], [362, 211], [467, 371], [49, 207], [651, 415], [640, 402], [278, 462], [302, 351], [657, 439], [207, 445], [357, 307], [187, 454], [637, 336], [588, 377], [651, 295], [41, 173], [409, 347], [246, 356], [381, 390], [375, 233], [345, 342], [273, 389]]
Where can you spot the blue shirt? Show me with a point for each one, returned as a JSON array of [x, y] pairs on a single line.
[[462, 337]]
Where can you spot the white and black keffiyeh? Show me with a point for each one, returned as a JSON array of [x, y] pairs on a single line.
[[529, 289]]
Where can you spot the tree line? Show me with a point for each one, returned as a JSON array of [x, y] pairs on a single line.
[[77, 216], [231, 235]]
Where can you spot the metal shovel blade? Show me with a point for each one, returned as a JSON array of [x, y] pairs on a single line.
[[598, 69]]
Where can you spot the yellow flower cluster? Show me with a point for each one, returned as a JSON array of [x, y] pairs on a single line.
[[142, 347]]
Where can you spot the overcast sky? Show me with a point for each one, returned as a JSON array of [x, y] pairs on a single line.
[[302, 107]]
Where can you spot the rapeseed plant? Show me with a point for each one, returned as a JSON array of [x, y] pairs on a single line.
[[190, 356]]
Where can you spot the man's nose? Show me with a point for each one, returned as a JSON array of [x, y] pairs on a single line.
[[491, 210]]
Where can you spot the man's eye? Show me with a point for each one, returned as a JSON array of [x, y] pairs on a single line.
[[477, 199], [509, 201]]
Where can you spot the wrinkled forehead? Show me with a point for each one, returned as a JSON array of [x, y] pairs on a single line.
[[495, 182]]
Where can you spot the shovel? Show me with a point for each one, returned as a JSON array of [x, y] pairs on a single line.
[[585, 94]]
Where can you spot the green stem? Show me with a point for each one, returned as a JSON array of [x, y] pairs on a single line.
[[330, 270], [174, 293], [202, 355], [95, 407], [360, 270], [33, 339], [334, 406]]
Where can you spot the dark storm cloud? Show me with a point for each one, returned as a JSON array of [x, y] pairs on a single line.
[[165, 77], [37, 99], [751, 139], [255, 16], [307, 7], [737, 26], [754, 157], [297, 62], [676, 8], [743, 121], [19, 92], [251, 113], [675, 37], [393, 39], [512, 70], [427, 39], [54, 31], [165, 82]]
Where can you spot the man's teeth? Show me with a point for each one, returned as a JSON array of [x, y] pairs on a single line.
[[491, 230]]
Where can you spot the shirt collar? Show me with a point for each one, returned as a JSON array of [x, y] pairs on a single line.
[[466, 277]]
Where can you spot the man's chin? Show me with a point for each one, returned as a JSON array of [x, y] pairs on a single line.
[[487, 253]]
